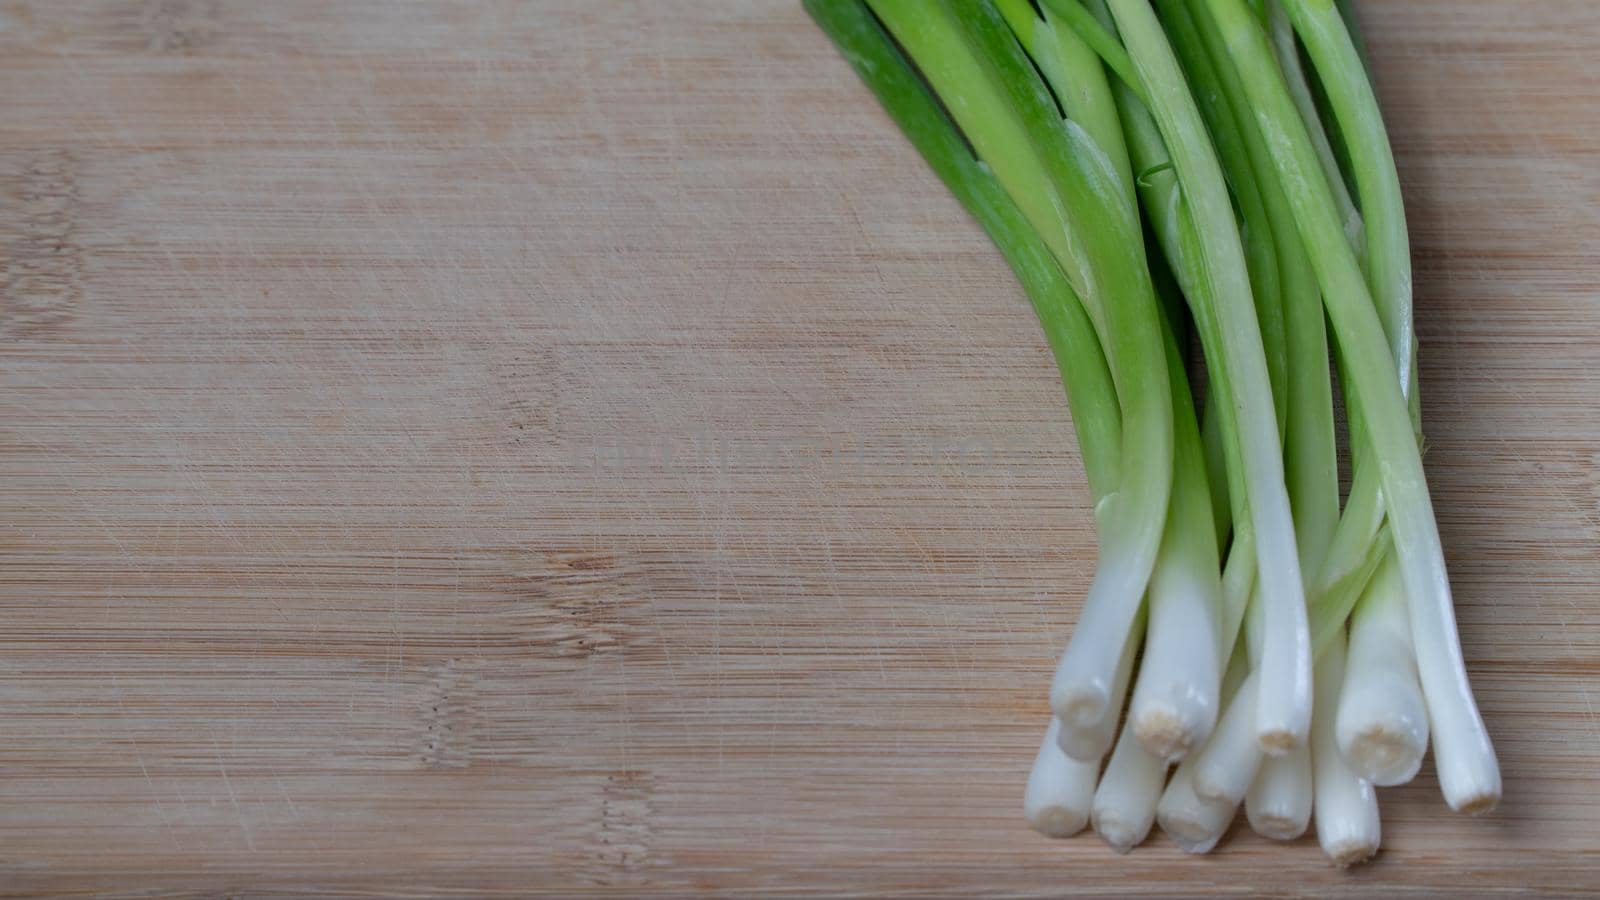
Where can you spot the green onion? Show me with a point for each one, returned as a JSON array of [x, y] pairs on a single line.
[[1347, 808], [1283, 709], [1468, 771], [1059, 787], [1065, 183], [1174, 705], [1382, 723], [1278, 804], [1152, 169]]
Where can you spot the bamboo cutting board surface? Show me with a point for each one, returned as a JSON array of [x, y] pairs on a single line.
[[578, 447]]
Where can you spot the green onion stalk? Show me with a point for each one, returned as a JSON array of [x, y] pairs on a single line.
[[1468, 772], [1067, 186], [1175, 702]]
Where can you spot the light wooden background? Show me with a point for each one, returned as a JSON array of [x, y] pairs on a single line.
[[577, 447]]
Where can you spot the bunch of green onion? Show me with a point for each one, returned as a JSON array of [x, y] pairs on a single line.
[[1153, 169]]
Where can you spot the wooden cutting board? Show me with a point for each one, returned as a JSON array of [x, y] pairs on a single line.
[[578, 447]]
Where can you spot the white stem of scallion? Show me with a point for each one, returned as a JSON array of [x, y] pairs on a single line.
[[1346, 805], [1194, 823], [1175, 700], [1382, 722], [1226, 765], [1278, 804], [1125, 802], [1090, 743], [1060, 792]]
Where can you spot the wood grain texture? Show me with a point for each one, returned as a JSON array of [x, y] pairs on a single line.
[[577, 447]]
